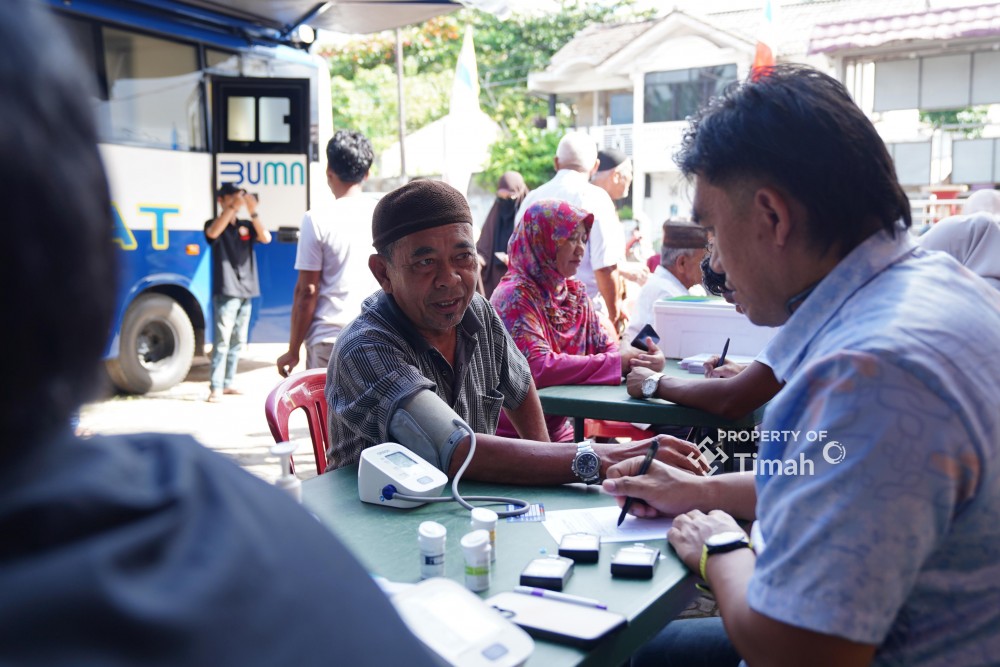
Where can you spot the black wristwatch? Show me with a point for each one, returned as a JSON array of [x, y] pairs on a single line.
[[586, 464]]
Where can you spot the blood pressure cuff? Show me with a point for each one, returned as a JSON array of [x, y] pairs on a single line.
[[423, 424]]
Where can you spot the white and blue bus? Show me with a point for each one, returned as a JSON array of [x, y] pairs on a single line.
[[189, 95]]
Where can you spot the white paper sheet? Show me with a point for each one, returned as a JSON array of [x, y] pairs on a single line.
[[601, 521]]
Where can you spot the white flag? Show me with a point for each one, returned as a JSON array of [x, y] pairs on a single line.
[[464, 117]]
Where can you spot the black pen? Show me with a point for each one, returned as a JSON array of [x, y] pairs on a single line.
[[643, 469], [722, 359]]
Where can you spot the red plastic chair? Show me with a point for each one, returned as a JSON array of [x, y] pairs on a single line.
[[602, 428], [300, 390]]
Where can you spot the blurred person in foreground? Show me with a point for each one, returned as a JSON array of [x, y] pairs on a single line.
[[139, 549], [547, 312], [496, 231], [877, 491]]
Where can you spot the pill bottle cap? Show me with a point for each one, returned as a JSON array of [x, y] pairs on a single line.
[[484, 518], [475, 541], [432, 532]]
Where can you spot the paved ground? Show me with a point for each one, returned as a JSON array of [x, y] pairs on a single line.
[[234, 427]]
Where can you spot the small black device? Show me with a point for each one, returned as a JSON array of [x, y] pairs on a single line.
[[635, 562], [550, 572], [640, 338], [581, 547]]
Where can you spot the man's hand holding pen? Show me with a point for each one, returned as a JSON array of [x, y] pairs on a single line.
[[664, 490]]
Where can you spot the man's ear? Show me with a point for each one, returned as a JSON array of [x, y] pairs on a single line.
[[555, 161], [775, 208], [379, 267]]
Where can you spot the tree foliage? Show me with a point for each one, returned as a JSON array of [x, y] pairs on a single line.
[[968, 121], [364, 86]]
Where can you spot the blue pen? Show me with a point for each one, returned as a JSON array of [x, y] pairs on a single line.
[[562, 597]]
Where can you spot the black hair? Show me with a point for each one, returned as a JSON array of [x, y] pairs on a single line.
[[349, 155], [57, 263], [714, 283], [799, 129]]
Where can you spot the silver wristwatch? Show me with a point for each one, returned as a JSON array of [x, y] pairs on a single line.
[[586, 464], [650, 384]]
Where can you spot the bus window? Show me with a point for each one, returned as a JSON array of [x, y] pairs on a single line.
[[242, 114], [153, 90], [274, 128], [261, 115], [81, 36]]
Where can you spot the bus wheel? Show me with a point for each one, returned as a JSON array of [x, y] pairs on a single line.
[[156, 346]]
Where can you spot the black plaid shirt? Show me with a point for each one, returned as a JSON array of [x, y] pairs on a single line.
[[380, 361]]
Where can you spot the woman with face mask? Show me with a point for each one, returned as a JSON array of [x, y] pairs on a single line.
[[499, 225]]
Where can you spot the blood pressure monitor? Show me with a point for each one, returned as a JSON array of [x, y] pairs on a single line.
[[392, 464]]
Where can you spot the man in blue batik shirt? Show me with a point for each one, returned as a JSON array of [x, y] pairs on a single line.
[[876, 493]]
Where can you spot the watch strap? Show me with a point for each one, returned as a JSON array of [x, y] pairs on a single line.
[[655, 377], [726, 548]]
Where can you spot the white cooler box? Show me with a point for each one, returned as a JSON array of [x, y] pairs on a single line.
[[688, 327]]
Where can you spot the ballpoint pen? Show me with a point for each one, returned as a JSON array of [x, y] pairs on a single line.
[[643, 469], [562, 597], [722, 359]]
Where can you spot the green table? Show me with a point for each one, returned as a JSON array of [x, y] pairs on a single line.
[[613, 403], [385, 540]]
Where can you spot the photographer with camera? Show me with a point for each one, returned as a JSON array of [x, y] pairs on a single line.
[[234, 282]]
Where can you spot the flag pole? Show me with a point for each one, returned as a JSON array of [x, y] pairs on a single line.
[[402, 105]]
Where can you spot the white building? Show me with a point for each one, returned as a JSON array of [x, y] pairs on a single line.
[[633, 85]]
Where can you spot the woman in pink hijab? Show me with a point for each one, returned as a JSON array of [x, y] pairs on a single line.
[[548, 313]]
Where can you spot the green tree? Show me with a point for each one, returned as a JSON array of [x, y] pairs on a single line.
[[526, 150], [968, 121], [506, 51]]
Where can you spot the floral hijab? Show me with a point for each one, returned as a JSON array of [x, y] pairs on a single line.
[[534, 287]]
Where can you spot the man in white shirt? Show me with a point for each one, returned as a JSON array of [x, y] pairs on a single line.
[[576, 160], [683, 249], [332, 257]]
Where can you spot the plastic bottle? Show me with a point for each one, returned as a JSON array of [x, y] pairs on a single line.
[[476, 547], [486, 519], [431, 538], [291, 484]]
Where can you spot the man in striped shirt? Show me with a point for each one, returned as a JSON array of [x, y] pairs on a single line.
[[426, 340]]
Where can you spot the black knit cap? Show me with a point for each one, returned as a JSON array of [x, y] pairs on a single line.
[[417, 206], [609, 158]]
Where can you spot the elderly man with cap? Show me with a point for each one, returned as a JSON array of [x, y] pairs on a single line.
[[428, 350], [681, 253], [576, 161], [614, 176]]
